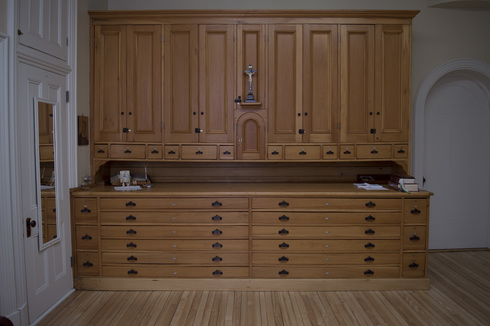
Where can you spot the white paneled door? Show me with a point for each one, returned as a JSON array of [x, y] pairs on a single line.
[[48, 270]]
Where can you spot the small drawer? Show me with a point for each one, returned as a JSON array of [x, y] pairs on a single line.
[[413, 265], [415, 211], [85, 210], [174, 271], [181, 258], [138, 203], [174, 232], [267, 259], [330, 152], [400, 151], [128, 151], [414, 237], [46, 152], [326, 272], [87, 237], [312, 246], [275, 152], [310, 152], [347, 152], [191, 152], [87, 263], [326, 232], [136, 245], [374, 151], [154, 151], [291, 203], [172, 152], [174, 217], [325, 218], [226, 152], [101, 151]]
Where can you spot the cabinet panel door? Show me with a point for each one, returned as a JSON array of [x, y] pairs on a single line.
[[250, 137], [356, 82], [181, 83], [320, 99], [285, 80], [144, 86], [392, 82], [216, 83], [109, 83], [251, 51], [44, 26]]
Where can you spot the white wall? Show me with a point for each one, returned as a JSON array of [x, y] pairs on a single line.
[[3, 16]]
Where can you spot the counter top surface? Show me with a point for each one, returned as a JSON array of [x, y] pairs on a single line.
[[248, 189]]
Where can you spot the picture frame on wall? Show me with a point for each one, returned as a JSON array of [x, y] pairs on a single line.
[[83, 131]]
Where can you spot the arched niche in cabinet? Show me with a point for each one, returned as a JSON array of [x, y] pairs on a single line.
[[250, 138]]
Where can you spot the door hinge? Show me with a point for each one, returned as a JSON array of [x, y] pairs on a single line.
[[67, 96]]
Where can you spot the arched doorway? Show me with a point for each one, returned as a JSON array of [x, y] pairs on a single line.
[[452, 152]]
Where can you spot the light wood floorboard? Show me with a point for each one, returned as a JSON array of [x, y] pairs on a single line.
[[459, 295]]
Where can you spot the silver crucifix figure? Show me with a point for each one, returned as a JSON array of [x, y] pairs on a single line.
[[250, 73]]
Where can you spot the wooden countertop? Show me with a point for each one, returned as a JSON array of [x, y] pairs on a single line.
[[249, 189]]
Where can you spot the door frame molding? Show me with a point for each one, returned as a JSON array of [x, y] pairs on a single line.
[[474, 70]]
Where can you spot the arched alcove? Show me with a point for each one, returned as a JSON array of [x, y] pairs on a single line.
[[447, 139]]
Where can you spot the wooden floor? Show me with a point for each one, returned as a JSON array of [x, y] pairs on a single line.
[[459, 295]]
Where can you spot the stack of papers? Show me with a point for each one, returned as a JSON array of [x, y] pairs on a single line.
[[369, 186], [127, 188]]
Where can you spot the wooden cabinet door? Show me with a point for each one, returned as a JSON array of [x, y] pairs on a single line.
[[216, 83], [250, 137], [285, 80], [144, 86], [181, 83], [251, 51], [320, 98], [392, 101], [109, 86], [356, 83]]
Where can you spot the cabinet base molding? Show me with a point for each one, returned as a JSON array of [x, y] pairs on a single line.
[[168, 284]]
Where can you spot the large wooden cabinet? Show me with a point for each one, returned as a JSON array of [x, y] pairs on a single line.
[[250, 233], [328, 85]]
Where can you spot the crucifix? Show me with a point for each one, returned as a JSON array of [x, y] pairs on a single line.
[[250, 73]]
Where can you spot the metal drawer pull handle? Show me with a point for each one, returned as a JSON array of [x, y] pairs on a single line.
[[284, 272], [171, 151], [283, 231], [368, 258], [302, 152], [130, 203], [369, 272], [275, 153], [217, 272], [217, 231], [284, 245], [217, 258], [284, 203], [217, 218], [413, 265], [226, 152], [131, 245], [369, 245], [370, 218], [217, 245], [216, 204], [130, 218], [85, 210], [347, 152], [370, 204], [132, 272], [414, 237], [130, 231], [127, 151], [199, 152], [330, 152], [401, 151], [154, 151], [100, 151], [283, 218], [283, 258], [415, 211], [86, 237], [88, 264], [132, 258], [374, 151], [369, 231]]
